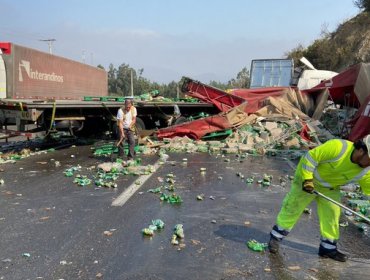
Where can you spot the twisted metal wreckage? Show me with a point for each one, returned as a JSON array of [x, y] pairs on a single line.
[[303, 108]]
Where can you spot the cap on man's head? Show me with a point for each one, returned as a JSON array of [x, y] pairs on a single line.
[[367, 143], [129, 99]]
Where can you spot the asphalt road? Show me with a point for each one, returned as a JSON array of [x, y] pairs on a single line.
[[61, 226]]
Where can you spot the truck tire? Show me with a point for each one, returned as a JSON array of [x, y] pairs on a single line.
[[140, 125], [181, 120], [114, 130]]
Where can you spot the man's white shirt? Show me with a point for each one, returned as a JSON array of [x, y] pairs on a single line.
[[128, 116]]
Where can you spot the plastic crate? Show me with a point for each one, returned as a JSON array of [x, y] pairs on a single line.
[[91, 98], [223, 133], [104, 98], [112, 98]]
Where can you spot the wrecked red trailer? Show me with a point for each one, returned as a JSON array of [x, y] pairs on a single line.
[[361, 122], [352, 88], [222, 100], [238, 106], [235, 117], [254, 97]]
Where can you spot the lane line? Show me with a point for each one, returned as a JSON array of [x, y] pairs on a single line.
[[291, 164], [130, 191]]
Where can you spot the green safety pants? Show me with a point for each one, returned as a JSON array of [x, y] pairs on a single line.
[[297, 200]]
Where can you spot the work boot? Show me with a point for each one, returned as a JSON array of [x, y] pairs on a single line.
[[277, 235], [328, 249], [332, 254], [273, 245]]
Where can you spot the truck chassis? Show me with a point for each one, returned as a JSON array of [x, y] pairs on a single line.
[[75, 116]]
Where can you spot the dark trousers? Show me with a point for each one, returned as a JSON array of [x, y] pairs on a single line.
[[130, 137]]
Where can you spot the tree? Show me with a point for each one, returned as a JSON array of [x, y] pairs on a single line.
[[296, 54], [363, 4], [218, 85], [141, 84], [321, 54], [169, 90], [112, 79], [123, 79], [242, 79], [119, 82]]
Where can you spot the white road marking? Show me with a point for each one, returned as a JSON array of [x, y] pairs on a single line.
[[291, 164], [127, 193]]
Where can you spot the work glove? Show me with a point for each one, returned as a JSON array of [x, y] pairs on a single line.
[[308, 186]]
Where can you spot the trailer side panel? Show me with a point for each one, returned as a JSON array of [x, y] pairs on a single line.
[[32, 74]]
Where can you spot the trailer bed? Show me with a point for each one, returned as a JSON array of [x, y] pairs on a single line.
[[44, 104]]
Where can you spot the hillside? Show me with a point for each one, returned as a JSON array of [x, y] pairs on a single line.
[[347, 45]]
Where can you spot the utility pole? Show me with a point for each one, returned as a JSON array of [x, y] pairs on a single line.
[[132, 84], [50, 44]]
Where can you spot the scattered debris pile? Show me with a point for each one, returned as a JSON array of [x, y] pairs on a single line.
[[156, 225], [107, 173], [262, 136], [350, 89], [361, 204], [255, 120], [167, 191], [155, 96], [12, 157]]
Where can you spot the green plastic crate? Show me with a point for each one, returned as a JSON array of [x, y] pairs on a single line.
[[226, 132], [91, 98]]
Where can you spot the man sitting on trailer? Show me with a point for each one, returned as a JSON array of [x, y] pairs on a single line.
[[324, 169], [126, 119]]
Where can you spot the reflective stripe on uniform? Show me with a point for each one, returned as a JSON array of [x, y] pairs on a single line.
[[338, 157], [359, 176], [277, 234], [328, 240], [328, 245], [344, 149], [310, 159], [321, 181], [308, 168], [283, 229]]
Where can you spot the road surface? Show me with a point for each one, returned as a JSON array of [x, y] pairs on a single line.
[[61, 226]]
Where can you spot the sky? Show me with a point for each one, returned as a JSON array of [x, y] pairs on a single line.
[[202, 39]]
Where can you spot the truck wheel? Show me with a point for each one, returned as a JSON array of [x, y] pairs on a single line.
[[180, 120], [114, 130], [140, 125]]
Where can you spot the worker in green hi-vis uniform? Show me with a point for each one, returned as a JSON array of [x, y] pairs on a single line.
[[325, 168]]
